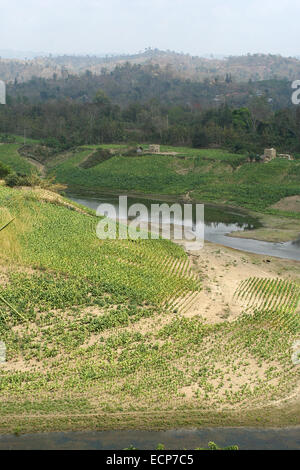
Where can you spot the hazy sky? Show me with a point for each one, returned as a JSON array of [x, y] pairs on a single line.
[[110, 26]]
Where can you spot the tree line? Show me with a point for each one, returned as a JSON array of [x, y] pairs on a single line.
[[63, 123]]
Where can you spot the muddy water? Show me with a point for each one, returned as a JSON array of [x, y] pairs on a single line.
[[245, 438]]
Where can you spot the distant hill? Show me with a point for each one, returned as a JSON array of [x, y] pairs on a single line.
[[135, 83], [239, 69]]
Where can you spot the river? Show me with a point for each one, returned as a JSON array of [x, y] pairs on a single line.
[[244, 438], [219, 223]]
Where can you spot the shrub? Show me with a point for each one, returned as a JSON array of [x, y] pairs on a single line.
[[13, 179], [200, 139], [55, 145], [7, 139], [4, 170]]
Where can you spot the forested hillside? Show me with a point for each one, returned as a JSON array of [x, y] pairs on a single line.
[[141, 99], [184, 66], [63, 124], [136, 84]]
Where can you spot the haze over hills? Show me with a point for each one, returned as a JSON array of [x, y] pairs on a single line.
[[21, 55], [27, 55], [240, 68]]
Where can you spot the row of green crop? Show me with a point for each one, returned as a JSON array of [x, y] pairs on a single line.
[[65, 242], [270, 295]]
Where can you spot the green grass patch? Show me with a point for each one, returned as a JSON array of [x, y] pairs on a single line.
[[208, 175], [9, 156]]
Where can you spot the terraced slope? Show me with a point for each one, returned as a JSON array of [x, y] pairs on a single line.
[[206, 175], [213, 175], [97, 335]]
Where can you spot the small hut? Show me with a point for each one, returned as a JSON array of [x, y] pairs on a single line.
[[269, 154], [154, 148]]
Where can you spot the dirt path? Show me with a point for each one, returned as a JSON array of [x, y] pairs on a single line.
[[222, 269], [41, 168]]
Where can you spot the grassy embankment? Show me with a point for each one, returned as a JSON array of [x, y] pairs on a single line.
[[10, 156], [108, 340]]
